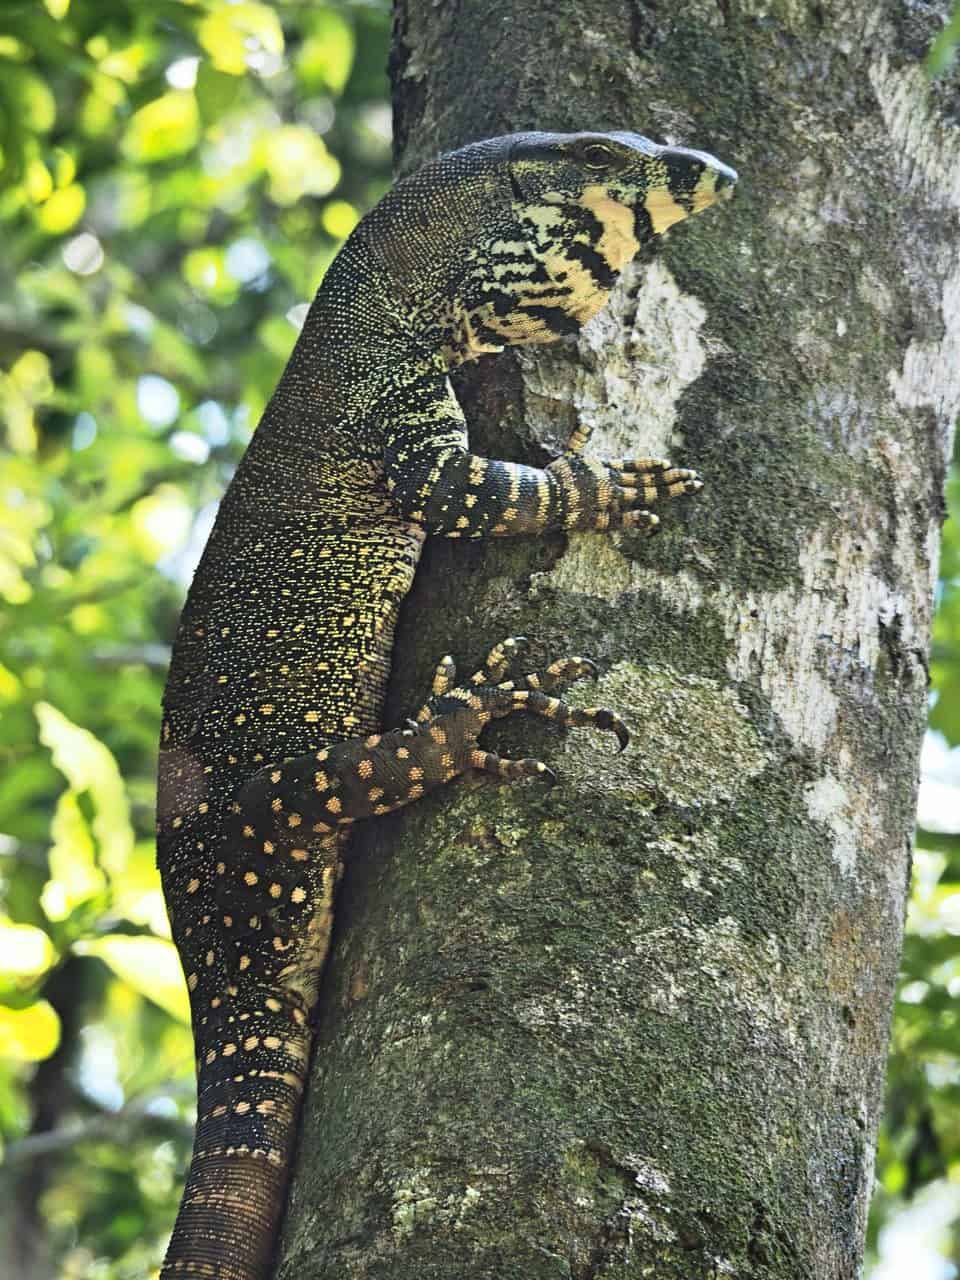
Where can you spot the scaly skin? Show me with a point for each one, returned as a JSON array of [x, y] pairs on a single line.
[[271, 743]]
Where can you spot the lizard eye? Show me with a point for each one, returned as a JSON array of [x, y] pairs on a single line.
[[597, 156]]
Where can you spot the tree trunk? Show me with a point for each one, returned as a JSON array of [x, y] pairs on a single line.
[[636, 1025]]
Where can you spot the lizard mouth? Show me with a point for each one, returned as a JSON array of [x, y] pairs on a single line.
[[665, 206]]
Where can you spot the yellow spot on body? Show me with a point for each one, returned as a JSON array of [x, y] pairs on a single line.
[[294, 820], [251, 1042], [299, 855], [193, 886], [276, 890], [267, 709], [240, 719], [268, 846], [276, 775], [273, 1005], [229, 1050], [244, 962], [178, 822], [403, 753], [276, 804], [365, 768], [438, 735], [416, 772], [298, 894], [192, 981], [311, 717], [334, 805], [208, 958], [242, 1108], [250, 878], [271, 1042]]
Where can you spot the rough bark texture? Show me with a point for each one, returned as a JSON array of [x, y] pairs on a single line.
[[637, 1025]]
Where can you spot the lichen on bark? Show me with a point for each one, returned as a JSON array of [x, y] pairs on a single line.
[[636, 1025]]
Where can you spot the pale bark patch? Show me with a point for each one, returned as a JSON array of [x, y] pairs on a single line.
[[786, 639], [692, 741], [626, 371], [929, 158], [829, 803]]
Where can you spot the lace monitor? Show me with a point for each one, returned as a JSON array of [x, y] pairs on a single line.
[[271, 740]]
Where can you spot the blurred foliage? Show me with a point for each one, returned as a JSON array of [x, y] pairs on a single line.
[[920, 1137], [943, 51], [174, 178]]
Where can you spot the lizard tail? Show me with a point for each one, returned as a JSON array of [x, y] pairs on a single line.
[[250, 1083]]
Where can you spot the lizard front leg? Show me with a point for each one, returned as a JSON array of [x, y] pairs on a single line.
[[436, 481]]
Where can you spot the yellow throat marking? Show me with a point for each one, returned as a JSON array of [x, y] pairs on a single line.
[[618, 244]]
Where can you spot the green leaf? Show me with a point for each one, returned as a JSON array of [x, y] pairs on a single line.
[[216, 91], [89, 766], [149, 965], [168, 126], [299, 164], [75, 877], [25, 953], [233, 33], [30, 1034], [326, 56]]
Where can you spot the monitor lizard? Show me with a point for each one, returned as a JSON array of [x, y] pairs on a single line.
[[271, 741]]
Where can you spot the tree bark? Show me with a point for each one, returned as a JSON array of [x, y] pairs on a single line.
[[637, 1025]]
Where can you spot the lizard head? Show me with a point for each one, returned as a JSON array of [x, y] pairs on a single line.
[[581, 206], [520, 238], [614, 191]]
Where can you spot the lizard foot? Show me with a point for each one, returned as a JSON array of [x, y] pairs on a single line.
[[455, 714]]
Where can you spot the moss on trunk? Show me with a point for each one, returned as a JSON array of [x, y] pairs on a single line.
[[636, 1025]]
